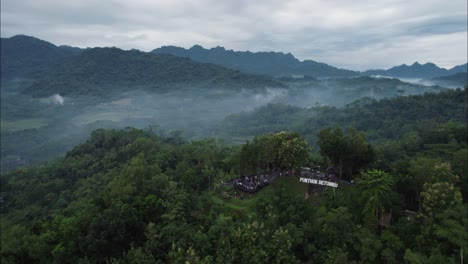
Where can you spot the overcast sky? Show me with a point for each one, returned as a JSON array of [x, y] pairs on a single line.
[[354, 34]]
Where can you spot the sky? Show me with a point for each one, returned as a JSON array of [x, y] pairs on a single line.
[[352, 34]]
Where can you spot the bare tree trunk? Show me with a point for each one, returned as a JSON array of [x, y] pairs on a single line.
[[341, 167], [461, 254], [419, 202], [209, 182]]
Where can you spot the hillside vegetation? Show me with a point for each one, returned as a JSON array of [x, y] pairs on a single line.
[[389, 118], [102, 71], [29, 57], [143, 196]]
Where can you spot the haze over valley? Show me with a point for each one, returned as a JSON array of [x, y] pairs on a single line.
[[109, 87]]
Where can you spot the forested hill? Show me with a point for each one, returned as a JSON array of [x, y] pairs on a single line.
[[101, 71], [384, 119], [29, 57], [417, 70], [458, 79], [135, 196], [271, 63]]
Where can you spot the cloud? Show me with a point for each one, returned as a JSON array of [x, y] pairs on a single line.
[[352, 34]]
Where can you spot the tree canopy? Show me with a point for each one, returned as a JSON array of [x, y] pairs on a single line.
[[284, 150], [348, 153]]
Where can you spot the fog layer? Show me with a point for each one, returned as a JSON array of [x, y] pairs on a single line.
[[37, 129]]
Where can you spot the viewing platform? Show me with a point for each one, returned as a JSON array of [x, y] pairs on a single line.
[[254, 182]]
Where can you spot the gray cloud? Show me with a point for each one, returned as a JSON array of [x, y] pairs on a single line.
[[351, 34]]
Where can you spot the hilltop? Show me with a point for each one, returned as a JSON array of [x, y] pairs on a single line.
[[28, 57]]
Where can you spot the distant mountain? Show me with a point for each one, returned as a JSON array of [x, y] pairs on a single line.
[[28, 57], [459, 68], [101, 71], [416, 70], [346, 90], [457, 80], [270, 63]]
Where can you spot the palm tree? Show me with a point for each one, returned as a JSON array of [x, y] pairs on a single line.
[[375, 184]]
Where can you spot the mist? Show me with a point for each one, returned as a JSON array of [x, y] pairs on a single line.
[[49, 127], [196, 112], [56, 98], [192, 112]]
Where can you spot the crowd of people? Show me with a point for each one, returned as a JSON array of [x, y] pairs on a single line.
[[253, 183]]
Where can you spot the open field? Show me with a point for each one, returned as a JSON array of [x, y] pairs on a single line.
[[8, 126], [246, 205]]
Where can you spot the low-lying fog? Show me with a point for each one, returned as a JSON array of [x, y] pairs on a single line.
[[190, 112], [420, 81], [47, 127], [195, 112]]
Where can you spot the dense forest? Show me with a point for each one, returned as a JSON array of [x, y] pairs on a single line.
[[29, 57], [149, 196], [389, 118], [103, 71]]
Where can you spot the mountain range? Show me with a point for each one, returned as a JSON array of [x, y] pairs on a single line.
[[417, 70], [71, 70], [281, 64], [269, 63]]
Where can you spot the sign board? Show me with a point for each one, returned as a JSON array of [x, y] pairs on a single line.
[[319, 182]]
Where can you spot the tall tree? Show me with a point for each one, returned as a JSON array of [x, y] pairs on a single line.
[[376, 186], [285, 150], [451, 226], [292, 150], [346, 152]]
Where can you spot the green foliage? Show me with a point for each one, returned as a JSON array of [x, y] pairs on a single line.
[[435, 257], [103, 193], [439, 195], [451, 226], [368, 246], [389, 118], [100, 71], [376, 186], [255, 242], [392, 247], [284, 150], [134, 196], [27, 57], [348, 153]]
